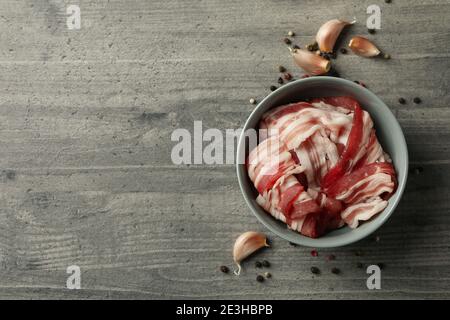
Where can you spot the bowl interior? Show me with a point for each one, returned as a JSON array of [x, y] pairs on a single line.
[[388, 132]]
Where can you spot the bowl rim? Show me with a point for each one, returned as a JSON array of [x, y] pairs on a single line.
[[321, 242]]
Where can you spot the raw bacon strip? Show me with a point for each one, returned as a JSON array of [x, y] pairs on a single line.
[[368, 181], [351, 148], [353, 214], [270, 161]]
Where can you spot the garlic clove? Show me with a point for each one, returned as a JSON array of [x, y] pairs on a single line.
[[246, 244], [329, 32], [363, 47], [312, 63]]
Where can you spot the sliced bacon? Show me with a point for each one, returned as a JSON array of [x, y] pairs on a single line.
[[371, 180], [319, 165], [363, 211]]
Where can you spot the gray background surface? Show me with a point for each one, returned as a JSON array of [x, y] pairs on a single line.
[[85, 171]]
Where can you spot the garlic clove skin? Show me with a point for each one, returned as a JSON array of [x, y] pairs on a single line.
[[329, 32], [363, 47], [312, 63], [246, 244]]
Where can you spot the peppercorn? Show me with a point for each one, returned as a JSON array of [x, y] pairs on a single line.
[[273, 88], [287, 41], [259, 278], [280, 80], [296, 47], [335, 270], [417, 100], [291, 34], [266, 263], [315, 270], [287, 76], [224, 269], [258, 264], [343, 50], [359, 265], [401, 100], [371, 31], [267, 275], [387, 1], [281, 69]]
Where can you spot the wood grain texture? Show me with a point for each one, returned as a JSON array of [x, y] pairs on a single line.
[[85, 171]]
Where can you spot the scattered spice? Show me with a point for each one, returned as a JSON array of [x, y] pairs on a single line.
[[252, 101], [312, 46], [314, 253], [359, 265], [258, 264], [343, 51], [273, 88], [259, 278], [281, 69], [291, 33], [335, 270], [401, 100], [287, 76], [387, 56], [315, 270], [287, 40], [224, 269], [266, 263], [296, 47], [371, 31], [280, 80], [267, 275], [331, 257], [387, 1], [417, 100]]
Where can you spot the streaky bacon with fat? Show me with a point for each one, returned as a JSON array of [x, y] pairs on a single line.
[[320, 166]]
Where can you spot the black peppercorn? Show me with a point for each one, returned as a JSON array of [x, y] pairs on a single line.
[[387, 1], [315, 270], [281, 69], [401, 100], [224, 269], [371, 31], [335, 270], [273, 88], [258, 264], [287, 40], [280, 80], [417, 100], [259, 278], [266, 263], [343, 50]]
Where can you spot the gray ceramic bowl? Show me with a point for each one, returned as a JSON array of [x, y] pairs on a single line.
[[388, 132]]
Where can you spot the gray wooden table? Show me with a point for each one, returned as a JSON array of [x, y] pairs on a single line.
[[86, 176]]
